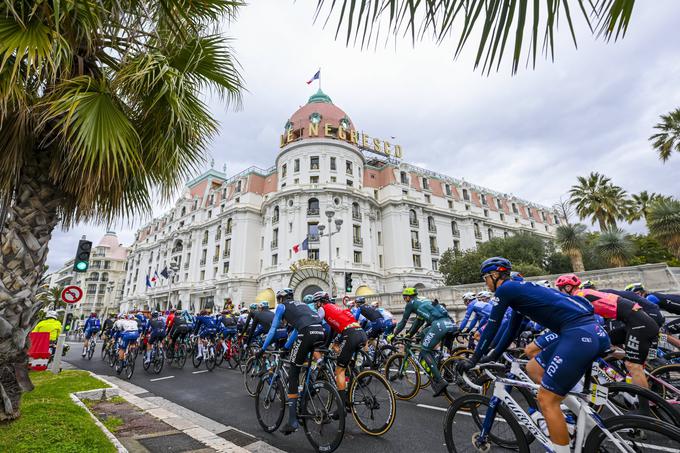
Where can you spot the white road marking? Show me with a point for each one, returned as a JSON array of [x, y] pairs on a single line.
[[161, 378], [199, 372], [437, 408]]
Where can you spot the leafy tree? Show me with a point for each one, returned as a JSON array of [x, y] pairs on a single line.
[[500, 25], [100, 106], [648, 251], [571, 240], [558, 263], [460, 268], [596, 197], [640, 204], [663, 222], [523, 247], [528, 269], [667, 139], [615, 247]]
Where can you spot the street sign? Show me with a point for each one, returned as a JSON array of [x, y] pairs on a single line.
[[72, 294]]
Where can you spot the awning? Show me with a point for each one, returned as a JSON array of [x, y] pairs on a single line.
[[364, 290], [268, 295]]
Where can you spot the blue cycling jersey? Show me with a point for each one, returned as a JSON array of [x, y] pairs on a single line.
[[297, 315], [203, 323], [480, 309], [92, 324], [546, 306]]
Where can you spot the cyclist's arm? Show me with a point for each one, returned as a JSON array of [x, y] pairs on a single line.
[[510, 333], [291, 339], [400, 326], [474, 322], [466, 318], [278, 316], [492, 328], [415, 327], [251, 330]]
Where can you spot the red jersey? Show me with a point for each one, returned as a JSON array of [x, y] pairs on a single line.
[[170, 320], [336, 317]]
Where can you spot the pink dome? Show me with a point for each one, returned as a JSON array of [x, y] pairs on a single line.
[[319, 108]]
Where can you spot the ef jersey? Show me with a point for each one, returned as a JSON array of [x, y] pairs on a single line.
[[336, 317]]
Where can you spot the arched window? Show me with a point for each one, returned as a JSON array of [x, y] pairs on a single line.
[[454, 229], [184, 211], [229, 225], [356, 213], [104, 277], [478, 232], [412, 218], [506, 234], [94, 276], [313, 206], [431, 226], [205, 237], [275, 217], [178, 246], [490, 233]]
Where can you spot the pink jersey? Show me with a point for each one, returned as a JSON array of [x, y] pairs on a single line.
[[607, 304]]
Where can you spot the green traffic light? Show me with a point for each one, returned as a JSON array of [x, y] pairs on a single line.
[[81, 266]]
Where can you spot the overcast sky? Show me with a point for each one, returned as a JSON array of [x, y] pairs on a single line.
[[531, 134]]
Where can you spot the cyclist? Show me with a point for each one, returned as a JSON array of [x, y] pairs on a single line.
[[50, 324], [241, 321], [587, 284], [652, 310], [558, 367], [307, 333], [179, 329], [388, 318], [349, 333], [156, 331], [92, 327], [227, 324], [440, 325], [478, 306], [374, 324], [252, 309], [105, 334], [206, 329], [262, 322], [126, 331], [638, 333]]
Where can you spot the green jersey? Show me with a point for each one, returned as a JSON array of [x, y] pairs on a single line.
[[424, 310]]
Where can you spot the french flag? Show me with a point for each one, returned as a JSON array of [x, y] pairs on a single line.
[[303, 246], [317, 76]]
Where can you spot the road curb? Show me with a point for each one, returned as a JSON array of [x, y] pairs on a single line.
[[76, 398]]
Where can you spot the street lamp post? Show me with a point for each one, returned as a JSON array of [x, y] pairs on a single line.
[[338, 224], [174, 267]]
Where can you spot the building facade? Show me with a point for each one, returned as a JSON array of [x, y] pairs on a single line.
[[103, 282], [245, 236]]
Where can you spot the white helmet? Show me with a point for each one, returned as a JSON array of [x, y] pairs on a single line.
[[468, 296], [545, 283], [51, 314], [374, 304]]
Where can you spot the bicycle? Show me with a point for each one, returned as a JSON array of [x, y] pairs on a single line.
[[128, 364], [157, 359], [177, 353], [514, 428], [208, 355], [91, 346], [319, 405]]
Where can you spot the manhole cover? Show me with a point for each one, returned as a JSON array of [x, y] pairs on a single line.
[[237, 437], [173, 442]]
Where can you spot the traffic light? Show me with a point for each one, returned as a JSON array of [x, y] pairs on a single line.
[[82, 261], [348, 282], [69, 319]]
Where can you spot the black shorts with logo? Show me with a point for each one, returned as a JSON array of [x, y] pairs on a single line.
[[638, 336], [308, 338], [353, 339]]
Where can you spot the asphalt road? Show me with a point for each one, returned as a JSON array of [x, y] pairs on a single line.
[[221, 396]]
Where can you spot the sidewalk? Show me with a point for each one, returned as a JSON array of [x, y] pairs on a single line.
[[154, 424]]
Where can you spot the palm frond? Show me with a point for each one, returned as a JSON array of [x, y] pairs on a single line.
[[491, 22], [667, 139], [615, 246]]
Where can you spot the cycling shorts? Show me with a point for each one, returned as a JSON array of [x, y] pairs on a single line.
[[205, 333], [545, 340], [308, 338], [638, 336], [436, 333], [90, 332], [156, 336], [228, 331], [353, 339], [673, 327], [126, 338], [375, 328], [567, 358], [179, 331]]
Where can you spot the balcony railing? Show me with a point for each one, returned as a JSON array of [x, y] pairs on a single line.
[[356, 216], [226, 253], [177, 250], [202, 263], [413, 223], [312, 238], [358, 241], [432, 228], [456, 233], [186, 265], [313, 211], [275, 219], [216, 258], [204, 241], [274, 244], [415, 245], [434, 250], [478, 235]]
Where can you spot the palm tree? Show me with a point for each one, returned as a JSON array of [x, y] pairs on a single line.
[[596, 197], [667, 139], [100, 106], [640, 204], [615, 247], [663, 222], [571, 239], [500, 25]]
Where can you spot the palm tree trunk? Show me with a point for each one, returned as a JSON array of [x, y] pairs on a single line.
[[27, 229], [576, 258], [603, 223]]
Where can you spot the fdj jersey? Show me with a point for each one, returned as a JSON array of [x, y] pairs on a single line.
[[298, 315]]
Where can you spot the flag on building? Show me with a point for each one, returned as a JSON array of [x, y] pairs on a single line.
[[148, 282], [155, 277], [317, 76], [164, 272], [303, 246]]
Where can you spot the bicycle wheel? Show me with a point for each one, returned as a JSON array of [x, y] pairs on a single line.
[[372, 402], [158, 361], [270, 403], [505, 429], [195, 360], [104, 354], [670, 374], [235, 355], [381, 356], [129, 366], [319, 403], [642, 434], [219, 354], [474, 384], [403, 376], [627, 396], [210, 360], [91, 348], [113, 356], [252, 375]]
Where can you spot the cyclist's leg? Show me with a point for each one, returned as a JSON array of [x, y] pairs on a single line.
[[642, 334], [432, 336], [353, 339], [86, 343]]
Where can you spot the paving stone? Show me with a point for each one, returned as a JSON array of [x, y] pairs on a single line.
[[161, 413], [262, 447], [179, 442], [237, 437]]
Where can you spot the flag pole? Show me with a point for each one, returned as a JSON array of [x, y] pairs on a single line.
[[319, 78]]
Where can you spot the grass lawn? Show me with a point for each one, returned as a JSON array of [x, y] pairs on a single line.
[[51, 422]]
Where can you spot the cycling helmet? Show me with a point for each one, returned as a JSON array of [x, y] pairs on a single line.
[[496, 263], [635, 287], [252, 307], [587, 285], [121, 316], [545, 283], [93, 314], [567, 279], [516, 276], [308, 299], [285, 293], [244, 310], [409, 292], [154, 314], [51, 314], [321, 297], [360, 300], [375, 304], [264, 304], [468, 296]]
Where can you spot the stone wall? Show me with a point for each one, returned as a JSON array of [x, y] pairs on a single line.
[[655, 277]]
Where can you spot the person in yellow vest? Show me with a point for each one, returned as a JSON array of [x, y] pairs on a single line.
[[50, 324]]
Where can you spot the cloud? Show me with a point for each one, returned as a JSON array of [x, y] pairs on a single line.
[[532, 134]]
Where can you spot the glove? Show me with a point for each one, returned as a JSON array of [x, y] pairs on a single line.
[[390, 337], [464, 366]]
